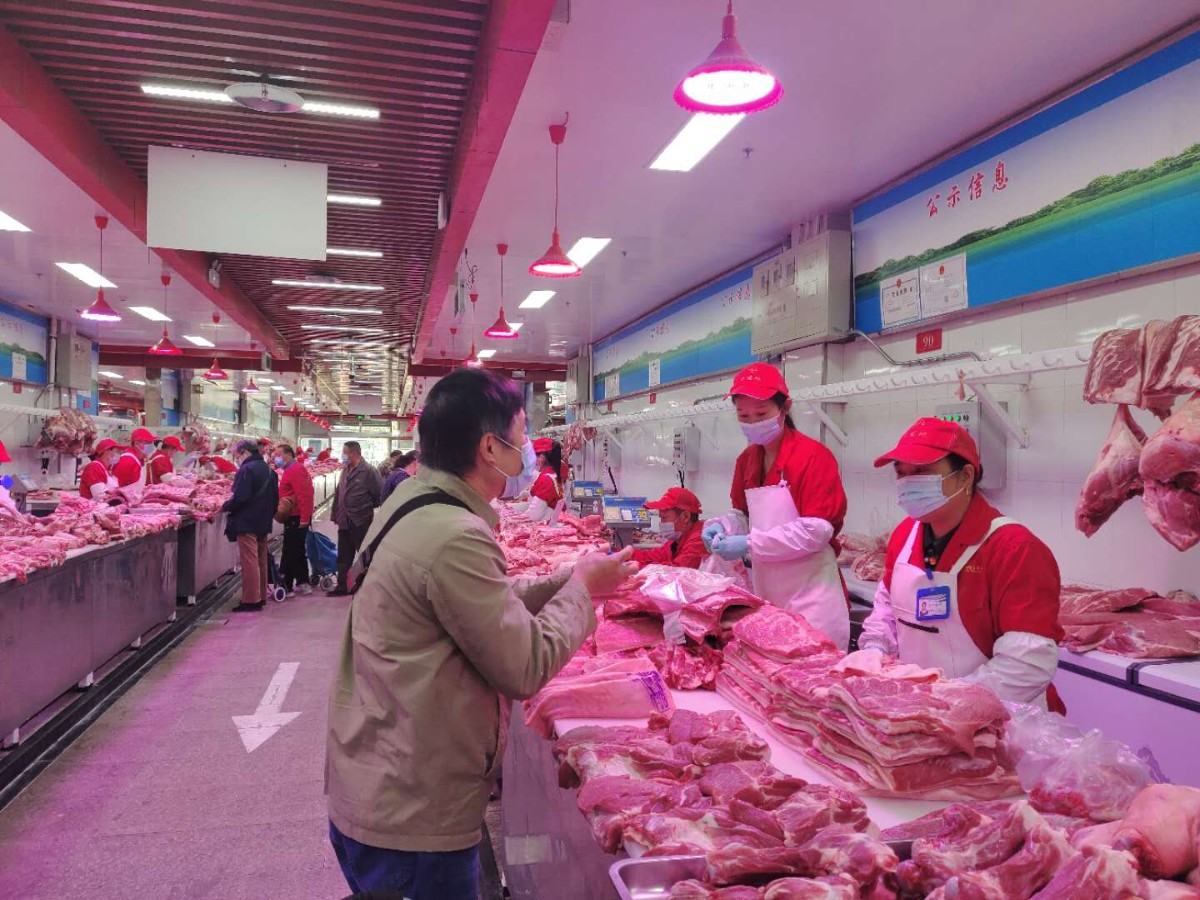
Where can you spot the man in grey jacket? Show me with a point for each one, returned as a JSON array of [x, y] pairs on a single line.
[[358, 493]]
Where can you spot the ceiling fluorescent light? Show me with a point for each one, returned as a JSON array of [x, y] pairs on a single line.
[[695, 140], [111, 375], [353, 200], [343, 341], [262, 380], [364, 254], [337, 310], [198, 341], [515, 326], [326, 285], [486, 354], [149, 312], [586, 249], [86, 274], [8, 223], [138, 383], [341, 328], [536, 299], [183, 93], [338, 109]]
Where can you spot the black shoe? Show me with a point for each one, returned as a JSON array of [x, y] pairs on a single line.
[[249, 607], [337, 592]]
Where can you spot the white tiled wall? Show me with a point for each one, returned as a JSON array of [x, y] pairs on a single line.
[[1043, 480]]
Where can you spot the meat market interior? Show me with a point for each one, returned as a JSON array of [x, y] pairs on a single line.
[[592, 449]]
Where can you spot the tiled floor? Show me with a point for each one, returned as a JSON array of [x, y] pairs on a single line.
[[160, 799]]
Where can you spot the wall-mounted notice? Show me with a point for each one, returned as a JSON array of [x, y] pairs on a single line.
[[1105, 181], [704, 332], [24, 338]]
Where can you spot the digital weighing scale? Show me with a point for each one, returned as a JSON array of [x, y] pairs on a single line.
[[625, 516]]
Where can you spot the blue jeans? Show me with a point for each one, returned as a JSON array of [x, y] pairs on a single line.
[[418, 876]]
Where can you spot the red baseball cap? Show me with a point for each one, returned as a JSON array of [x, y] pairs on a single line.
[[104, 446], [173, 442], [677, 498], [543, 445], [142, 436], [761, 381], [929, 440]]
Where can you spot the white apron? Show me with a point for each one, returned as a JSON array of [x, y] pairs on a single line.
[[810, 585], [141, 482], [929, 626]]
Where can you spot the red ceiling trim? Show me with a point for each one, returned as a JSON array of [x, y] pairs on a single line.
[[240, 360], [514, 32], [37, 109]]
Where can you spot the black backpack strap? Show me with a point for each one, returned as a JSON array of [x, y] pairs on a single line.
[[413, 505]]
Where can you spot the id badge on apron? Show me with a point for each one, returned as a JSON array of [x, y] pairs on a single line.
[[933, 603]]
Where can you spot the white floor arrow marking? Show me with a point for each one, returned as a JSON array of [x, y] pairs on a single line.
[[257, 729]]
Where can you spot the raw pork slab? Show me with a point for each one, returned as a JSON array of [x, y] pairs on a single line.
[[1170, 470], [1110, 874], [606, 694], [1114, 477], [1077, 599], [613, 635], [1114, 373], [1173, 358], [781, 635]]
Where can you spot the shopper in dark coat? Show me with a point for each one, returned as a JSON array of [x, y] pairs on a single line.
[[251, 511]]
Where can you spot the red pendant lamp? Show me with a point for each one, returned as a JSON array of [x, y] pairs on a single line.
[[251, 387], [165, 347], [729, 81], [100, 311], [473, 361], [554, 263], [215, 372], [501, 330]]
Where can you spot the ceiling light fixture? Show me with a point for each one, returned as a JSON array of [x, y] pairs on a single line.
[[165, 346], [728, 81], [353, 200], [99, 310], [215, 372], [360, 328], [586, 249], [149, 312], [486, 354], [326, 285], [554, 263], [501, 330], [251, 387], [536, 299], [346, 341], [138, 383], [198, 341], [260, 96], [86, 274], [8, 223], [116, 375], [364, 254], [694, 142], [337, 310], [280, 405]]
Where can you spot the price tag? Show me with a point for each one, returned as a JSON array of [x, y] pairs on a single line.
[[653, 398], [933, 603]]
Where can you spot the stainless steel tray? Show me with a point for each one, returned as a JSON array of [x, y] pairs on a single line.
[[651, 878]]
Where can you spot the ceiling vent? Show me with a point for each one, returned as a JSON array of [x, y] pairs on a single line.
[[262, 96]]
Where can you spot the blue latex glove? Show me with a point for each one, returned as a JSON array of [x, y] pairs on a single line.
[[711, 531], [732, 547]]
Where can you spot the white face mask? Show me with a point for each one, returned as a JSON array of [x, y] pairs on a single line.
[[921, 495], [764, 432], [515, 485]]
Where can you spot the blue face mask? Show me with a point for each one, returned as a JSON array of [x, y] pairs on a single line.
[[345, 460], [764, 432], [921, 495], [279, 462], [518, 484]]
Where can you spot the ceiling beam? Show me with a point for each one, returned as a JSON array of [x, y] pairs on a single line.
[[37, 109], [511, 38], [535, 372], [236, 360]]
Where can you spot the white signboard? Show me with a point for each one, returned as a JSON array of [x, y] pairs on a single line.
[[612, 384], [944, 286], [18, 366], [901, 298], [655, 372]]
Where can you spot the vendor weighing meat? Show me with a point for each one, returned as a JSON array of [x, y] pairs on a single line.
[[97, 479], [160, 466], [679, 513], [965, 589], [788, 506], [131, 467]]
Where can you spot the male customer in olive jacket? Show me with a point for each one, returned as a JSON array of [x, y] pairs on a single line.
[[438, 643], [251, 509], [358, 493]]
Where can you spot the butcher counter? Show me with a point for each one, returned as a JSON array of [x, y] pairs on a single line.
[[64, 623], [205, 554], [549, 851]]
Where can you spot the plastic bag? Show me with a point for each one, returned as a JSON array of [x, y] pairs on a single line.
[[672, 588], [1071, 772], [736, 570]]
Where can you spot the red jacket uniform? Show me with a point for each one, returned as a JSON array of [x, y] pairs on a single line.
[[686, 553], [547, 488], [94, 472], [1010, 584], [810, 471], [297, 483], [128, 469], [160, 464]]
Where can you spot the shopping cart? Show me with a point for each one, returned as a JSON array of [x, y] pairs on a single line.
[[322, 559], [275, 588]]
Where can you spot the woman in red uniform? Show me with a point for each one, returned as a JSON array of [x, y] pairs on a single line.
[[131, 465], [965, 589], [160, 467], [788, 506], [546, 491], [679, 512], [97, 478]]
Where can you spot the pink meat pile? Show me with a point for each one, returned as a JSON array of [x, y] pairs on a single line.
[[890, 731], [71, 432], [1147, 367], [324, 467], [543, 549], [865, 556], [209, 497], [196, 439], [31, 543], [693, 784], [1132, 622]]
